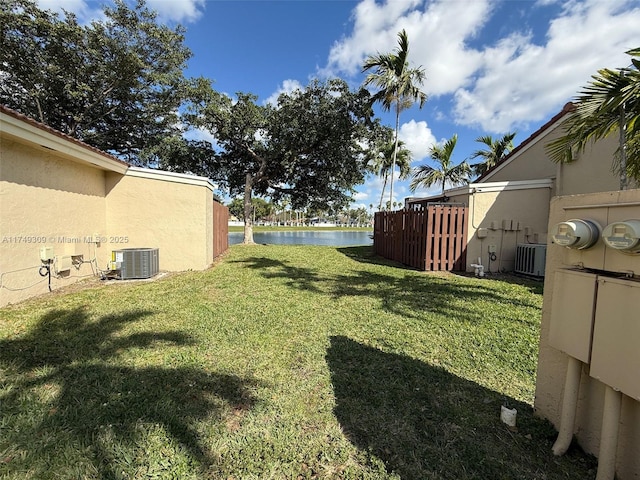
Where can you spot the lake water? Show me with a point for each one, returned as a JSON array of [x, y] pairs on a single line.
[[334, 238]]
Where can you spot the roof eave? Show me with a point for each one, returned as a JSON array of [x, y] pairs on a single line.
[[27, 131]]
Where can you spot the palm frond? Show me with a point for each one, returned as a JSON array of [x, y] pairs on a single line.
[[610, 100], [424, 176], [445, 172]]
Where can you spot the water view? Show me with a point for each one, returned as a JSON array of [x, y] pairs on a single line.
[[334, 238]]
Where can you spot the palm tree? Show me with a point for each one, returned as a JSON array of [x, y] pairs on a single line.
[[496, 151], [398, 84], [446, 172], [383, 164], [608, 104]]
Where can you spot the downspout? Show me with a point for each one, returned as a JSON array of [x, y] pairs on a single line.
[[610, 421], [569, 407], [609, 434], [472, 196]]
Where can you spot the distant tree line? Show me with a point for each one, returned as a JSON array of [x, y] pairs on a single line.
[[269, 213]]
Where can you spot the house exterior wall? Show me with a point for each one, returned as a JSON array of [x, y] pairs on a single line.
[[153, 209], [502, 211], [552, 362], [45, 200], [513, 207], [592, 171], [59, 193]]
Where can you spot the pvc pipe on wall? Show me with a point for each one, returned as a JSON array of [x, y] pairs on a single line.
[[609, 434], [569, 406]]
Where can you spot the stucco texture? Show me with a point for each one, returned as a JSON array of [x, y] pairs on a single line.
[[174, 217], [45, 201]]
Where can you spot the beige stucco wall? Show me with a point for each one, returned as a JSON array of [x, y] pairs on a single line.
[[591, 172], [45, 200], [159, 210], [552, 363], [489, 207], [488, 210], [56, 192]]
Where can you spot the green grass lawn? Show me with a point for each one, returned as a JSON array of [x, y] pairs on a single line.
[[281, 362]]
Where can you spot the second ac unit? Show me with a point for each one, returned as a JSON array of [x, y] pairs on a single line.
[[530, 259]]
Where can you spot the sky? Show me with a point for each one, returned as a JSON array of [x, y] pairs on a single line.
[[492, 66]]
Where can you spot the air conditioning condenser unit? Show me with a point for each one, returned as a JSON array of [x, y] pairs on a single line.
[[136, 262], [530, 259]]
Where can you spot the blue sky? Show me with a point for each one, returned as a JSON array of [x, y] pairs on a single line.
[[491, 66]]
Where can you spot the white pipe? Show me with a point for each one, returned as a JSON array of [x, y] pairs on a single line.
[[569, 406], [479, 268], [609, 434]]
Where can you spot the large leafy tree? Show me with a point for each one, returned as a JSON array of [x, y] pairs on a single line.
[[398, 84], [609, 104], [310, 149], [496, 150], [445, 171], [115, 84], [383, 163]]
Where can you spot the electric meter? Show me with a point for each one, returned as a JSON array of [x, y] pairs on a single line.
[[623, 236], [576, 233]]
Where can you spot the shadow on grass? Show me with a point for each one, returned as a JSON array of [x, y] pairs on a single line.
[[365, 254], [410, 295], [297, 277], [424, 422], [69, 408]]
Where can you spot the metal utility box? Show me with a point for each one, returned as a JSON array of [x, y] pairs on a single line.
[[572, 313], [46, 254], [615, 357], [62, 263], [137, 262]]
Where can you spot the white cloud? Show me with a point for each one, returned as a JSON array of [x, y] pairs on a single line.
[[81, 8], [361, 196], [287, 87], [521, 81], [437, 39], [373, 30], [184, 11], [501, 84], [201, 134], [417, 137]]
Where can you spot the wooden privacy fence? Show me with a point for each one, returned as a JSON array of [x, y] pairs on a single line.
[[220, 229], [434, 238]]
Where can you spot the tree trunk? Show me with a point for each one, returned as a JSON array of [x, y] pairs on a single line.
[[248, 221], [384, 187], [395, 151]]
